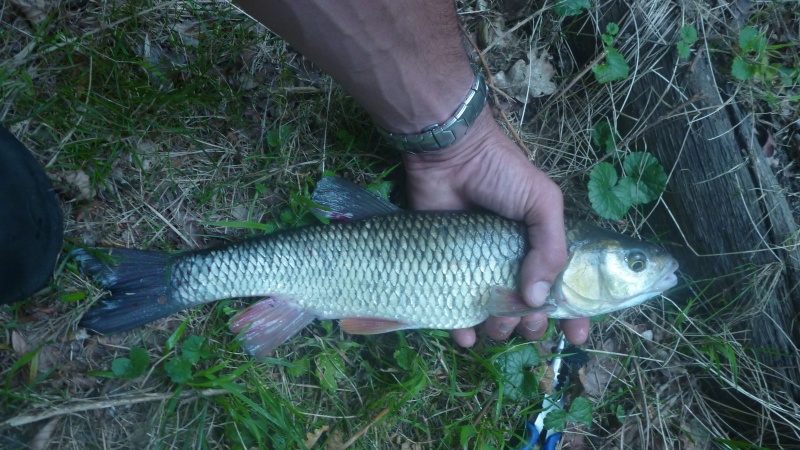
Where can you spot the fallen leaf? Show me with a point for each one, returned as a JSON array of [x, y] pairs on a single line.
[[534, 79], [42, 437], [18, 343], [33, 10], [336, 442], [78, 183], [313, 436]]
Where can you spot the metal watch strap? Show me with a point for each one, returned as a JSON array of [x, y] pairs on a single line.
[[436, 136]]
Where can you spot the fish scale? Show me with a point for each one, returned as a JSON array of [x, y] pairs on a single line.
[[359, 269]]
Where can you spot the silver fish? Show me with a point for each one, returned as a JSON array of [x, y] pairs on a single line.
[[379, 270]]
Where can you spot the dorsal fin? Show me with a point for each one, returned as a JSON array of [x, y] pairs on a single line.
[[345, 200]]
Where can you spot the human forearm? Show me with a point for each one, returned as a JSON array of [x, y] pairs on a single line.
[[402, 61]]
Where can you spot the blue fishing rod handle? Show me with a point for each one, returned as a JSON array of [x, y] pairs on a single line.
[[551, 441], [533, 436]]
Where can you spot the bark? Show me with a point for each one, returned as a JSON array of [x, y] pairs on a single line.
[[724, 209]]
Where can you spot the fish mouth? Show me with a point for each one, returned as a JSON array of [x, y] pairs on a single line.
[[668, 277]]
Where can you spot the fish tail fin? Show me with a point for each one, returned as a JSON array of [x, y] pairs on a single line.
[[139, 284]]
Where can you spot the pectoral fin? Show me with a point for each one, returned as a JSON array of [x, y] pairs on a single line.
[[504, 302], [267, 324], [359, 325]]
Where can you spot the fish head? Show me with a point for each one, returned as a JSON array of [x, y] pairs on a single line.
[[609, 271]]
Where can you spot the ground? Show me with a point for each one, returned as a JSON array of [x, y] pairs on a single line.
[[182, 124]]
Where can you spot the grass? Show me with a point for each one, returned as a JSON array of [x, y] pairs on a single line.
[[181, 124]]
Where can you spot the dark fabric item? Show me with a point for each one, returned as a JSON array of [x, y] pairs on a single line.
[[31, 222]]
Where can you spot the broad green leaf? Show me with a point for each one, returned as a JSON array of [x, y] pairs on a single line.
[[684, 49], [751, 40], [194, 349], [742, 69], [179, 369], [604, 137], [688, 34], [635, 191], [380, 188], [556, 420], [297, 368], [612, 28], [467, 432], [580, 411], [516, 367], [615, 67], [132, 367], [608, 199], [620, 413], [404, 357], [330, 369], [648, 177], [565, 8], [121, 366]]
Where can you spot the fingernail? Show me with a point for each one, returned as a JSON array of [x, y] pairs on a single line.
[[538, 293], [505, 329], [534, 327]]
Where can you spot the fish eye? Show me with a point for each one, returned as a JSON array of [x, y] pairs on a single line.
[[637, 261]]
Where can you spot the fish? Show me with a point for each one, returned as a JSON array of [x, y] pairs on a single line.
[[375, 268]]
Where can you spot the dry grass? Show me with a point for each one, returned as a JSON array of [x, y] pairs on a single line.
[[180, 124]]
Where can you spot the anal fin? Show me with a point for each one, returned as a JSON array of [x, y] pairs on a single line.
[[360, 325], [267, 324]]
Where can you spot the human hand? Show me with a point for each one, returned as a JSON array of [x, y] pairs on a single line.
[[486, 169]]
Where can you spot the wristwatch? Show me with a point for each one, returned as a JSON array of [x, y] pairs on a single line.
[[438, 136]]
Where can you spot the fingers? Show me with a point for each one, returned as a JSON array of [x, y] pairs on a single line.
[[547, 237], [576, 330], [465, 337]]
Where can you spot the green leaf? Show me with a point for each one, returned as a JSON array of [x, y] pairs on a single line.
[[132, 367], [121, 366], [604, 137], [380, 188], [73, 296], [647, 177], [276, 138], [556, 420], [467, 432], [330, 369], [298, 368], [688, 34], [684, 49], [751, 40], [404, 357], [607, 39], [612, 28], [580, 411], [620, 413], [615, 67], [566, 8], [609, 200], [194, 349], [742, 69], [179, 369], [516, 366]]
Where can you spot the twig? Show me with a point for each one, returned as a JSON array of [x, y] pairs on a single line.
[[361, 432], [485, 408], [76, 407]]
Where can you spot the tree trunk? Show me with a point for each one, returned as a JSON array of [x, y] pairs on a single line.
[[729, 218]]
